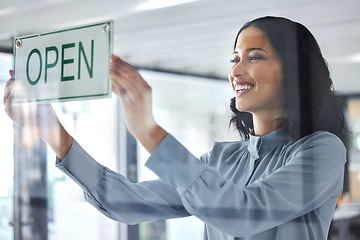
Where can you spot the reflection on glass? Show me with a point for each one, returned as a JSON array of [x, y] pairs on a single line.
[[67, 207], [354, 149], [196, 123], [276, 183], [6, 158]]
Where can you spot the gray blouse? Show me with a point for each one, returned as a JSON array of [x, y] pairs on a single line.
[[265, 188]]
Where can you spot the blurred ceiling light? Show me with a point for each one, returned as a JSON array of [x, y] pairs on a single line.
[[350, 59], [7, 11], [157, 4], [355, 58]]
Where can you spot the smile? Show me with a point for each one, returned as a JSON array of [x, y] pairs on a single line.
[[242, 87]]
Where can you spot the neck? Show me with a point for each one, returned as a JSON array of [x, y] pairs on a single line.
[[266, 125]]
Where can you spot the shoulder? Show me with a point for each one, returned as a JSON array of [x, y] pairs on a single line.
[[321, 143], [228, 148], [320, 138], [224, 150]]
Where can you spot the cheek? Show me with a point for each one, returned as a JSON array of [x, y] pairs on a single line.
[[272, 77], [279, 82], [279, 76], [270, 82], [273, 74], [278, 72]]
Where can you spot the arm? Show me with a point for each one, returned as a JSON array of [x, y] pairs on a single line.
[[112, 193], [40, 120], [115, 196], [135, 95], [309, 179]]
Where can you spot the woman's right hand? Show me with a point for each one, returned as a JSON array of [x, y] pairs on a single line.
[[38, 119], [136, 98]]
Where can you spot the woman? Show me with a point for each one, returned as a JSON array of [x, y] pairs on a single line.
[[281, 182]]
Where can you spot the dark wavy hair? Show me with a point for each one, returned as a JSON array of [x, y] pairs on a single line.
[[310, 101]]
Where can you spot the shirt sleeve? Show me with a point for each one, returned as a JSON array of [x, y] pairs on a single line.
[[115, 196], [311, 176]]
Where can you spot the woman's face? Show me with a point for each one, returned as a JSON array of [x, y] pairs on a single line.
[[256, 74]]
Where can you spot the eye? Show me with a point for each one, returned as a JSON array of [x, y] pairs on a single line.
[[233, 60], [255, 57]]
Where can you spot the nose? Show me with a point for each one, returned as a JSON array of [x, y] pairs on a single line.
[[237, 70]]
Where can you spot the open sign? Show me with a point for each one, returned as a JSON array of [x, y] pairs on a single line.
[[63, 65]]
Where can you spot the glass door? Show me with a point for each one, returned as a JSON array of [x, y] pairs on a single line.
[[6, 159]]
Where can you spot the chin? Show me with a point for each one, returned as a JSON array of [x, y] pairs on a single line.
[[242, 107]]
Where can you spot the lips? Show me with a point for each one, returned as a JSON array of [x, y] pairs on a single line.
[[242, 87]]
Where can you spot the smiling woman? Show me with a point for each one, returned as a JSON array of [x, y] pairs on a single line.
[[309, 101], [282, 181], [257, 78]]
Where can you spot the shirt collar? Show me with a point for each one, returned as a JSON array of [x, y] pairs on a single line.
[[268, 142]]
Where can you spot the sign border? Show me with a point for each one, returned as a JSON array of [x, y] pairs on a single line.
[[63, 99]]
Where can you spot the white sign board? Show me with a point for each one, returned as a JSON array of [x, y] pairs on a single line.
[[63, 65]]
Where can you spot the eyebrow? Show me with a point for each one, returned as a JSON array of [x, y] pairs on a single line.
[[250, 50]]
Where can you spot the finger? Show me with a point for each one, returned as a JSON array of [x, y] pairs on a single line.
[[126, 101], [8, 90], [128, 77], [11, 72], [115, 58], [117, 63], [121, 67], [130, 89], [121, 76], [128, 94], [8, 105], [117, 89], [118, 70]]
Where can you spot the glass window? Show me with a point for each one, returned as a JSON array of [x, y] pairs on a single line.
[[354, 148], [93, 124], [7, 159], [196, 111], [198, 119]]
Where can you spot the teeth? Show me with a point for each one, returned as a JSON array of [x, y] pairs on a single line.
[[242, 87]]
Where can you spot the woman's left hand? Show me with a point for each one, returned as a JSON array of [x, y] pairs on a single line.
[[38, 119], [136, 98]]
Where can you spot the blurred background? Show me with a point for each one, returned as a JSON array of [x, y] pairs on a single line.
[[182, 48]]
